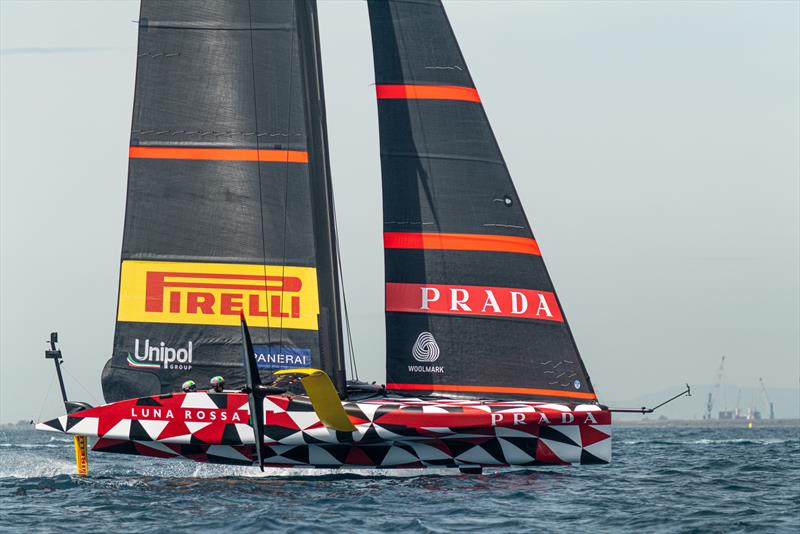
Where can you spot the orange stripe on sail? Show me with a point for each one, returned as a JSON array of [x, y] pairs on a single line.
[[494, 389], [218, 154], [480, 242], [430, 92]]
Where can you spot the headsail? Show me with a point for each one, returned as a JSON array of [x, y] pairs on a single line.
[[470, 307], [218, 219]]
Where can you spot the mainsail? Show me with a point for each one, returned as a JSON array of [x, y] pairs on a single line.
[[219, 219], [470, 307]]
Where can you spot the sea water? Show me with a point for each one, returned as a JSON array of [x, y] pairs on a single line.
[[664, 478]]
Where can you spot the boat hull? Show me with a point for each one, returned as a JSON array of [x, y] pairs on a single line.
[[391, 432]]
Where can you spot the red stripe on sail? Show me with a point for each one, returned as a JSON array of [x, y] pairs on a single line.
[[441, 299], [218, 154], [427, 92], [493, 389], [479, 242]]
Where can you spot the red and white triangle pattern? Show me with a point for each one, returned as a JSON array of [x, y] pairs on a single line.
[[390, 431]]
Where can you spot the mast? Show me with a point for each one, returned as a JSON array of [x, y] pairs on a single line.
[[330, 326]]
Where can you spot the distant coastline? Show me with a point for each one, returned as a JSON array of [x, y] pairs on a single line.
[[713, 423]]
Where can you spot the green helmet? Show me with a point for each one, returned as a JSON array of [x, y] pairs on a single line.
[[217, 383], [189, 385]]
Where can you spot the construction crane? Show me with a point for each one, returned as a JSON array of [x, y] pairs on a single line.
[[712, 396], [766, 396]]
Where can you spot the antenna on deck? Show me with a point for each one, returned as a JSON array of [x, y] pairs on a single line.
[[72, 407], [55, 354]]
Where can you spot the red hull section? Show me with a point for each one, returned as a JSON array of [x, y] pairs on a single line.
[[390, 432]]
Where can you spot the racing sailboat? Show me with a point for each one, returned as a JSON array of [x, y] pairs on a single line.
[[230, 265]]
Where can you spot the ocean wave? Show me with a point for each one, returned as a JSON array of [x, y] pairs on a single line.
[[30, 468], [707, 441], [749, 441], [719, 480], [33, 445], [60, 439]]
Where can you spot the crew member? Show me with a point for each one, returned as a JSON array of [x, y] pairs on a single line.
[[189, 386], [217, 384]]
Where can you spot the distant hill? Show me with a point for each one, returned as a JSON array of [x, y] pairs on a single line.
[[785, 400]]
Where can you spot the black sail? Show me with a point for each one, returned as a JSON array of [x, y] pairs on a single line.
[[218, 219], [470, 307]]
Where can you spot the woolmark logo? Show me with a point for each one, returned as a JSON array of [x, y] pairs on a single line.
[[425, 349], [160, 355]]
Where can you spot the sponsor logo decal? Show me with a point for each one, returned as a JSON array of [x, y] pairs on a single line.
[[159, 355], [425, 369], [577, 384], [217, 293], [541, 418], [473, 300], [184, 414], [425, 350], [271, 357]]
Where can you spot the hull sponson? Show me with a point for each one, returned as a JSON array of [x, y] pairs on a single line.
[[390, 432], [453, 219]]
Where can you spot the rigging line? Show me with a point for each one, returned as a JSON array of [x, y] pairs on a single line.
[[94, 399], [258, 163], [350, 349], [292, 34], [46, 396]]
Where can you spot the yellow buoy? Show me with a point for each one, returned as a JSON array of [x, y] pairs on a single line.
[[81, 457]]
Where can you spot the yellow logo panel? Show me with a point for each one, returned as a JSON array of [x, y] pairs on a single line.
[[272, 296]]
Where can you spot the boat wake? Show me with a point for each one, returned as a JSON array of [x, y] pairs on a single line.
[[744, 441], [34, 467], [706, 441], [20, 462], [227, 471]]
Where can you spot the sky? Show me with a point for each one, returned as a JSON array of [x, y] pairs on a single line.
[[654, 146]]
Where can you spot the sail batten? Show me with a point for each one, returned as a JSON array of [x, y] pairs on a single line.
[[218, 154], [430, 155], [481, 242], [426, 92], [210, 25], [470, 307]]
